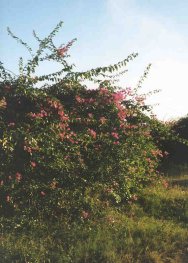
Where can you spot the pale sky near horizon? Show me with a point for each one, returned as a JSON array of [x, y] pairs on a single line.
[[108, 31]]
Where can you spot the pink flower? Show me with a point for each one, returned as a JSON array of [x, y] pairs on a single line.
[[27, 149], [62, 135], [115, 135], [41, 114], [92, 133], [79, 99], [65, 118], [90, 100], [61, 51], [55, 104], [71, 140], [18, 177], [42, 193], [122, 114], [165, 184], [61, 113], [118, 96], [33, 164]]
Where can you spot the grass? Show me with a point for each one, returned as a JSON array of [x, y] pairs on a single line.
[[153, 229]]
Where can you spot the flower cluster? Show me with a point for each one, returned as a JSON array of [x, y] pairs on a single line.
[[41, 114]]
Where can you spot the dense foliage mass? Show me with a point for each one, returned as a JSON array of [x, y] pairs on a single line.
[[178, 152], [68, 137], [62, 143]]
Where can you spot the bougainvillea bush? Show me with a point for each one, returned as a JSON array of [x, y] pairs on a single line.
[[62, 141]]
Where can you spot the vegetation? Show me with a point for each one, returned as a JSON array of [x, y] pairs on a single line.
[[152, 229], [176, 162], [78, 170]]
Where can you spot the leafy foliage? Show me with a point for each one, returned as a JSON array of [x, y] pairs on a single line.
[[62, 142], [177, 149]]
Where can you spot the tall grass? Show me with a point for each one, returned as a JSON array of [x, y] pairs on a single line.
[[153, 229]]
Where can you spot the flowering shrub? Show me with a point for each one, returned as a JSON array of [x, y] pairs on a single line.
[[58, 140]]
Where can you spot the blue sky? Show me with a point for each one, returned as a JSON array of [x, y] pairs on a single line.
[[108, 31]]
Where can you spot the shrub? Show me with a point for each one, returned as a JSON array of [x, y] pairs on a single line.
[[58, 140], [178, 151]]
